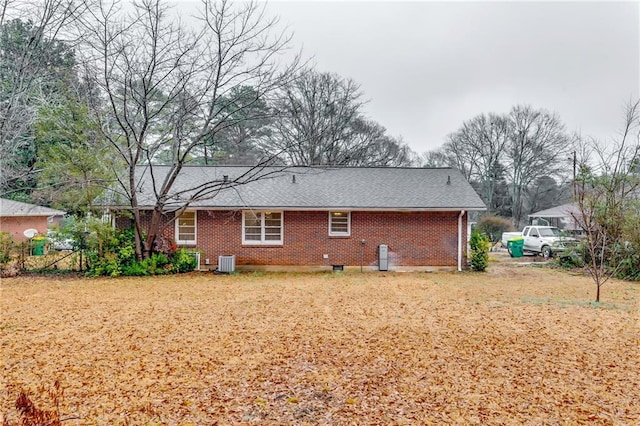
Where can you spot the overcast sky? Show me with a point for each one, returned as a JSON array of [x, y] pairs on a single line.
[[426, 67]]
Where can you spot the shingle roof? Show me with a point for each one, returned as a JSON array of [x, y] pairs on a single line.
[[375, 188], [565, 210], [17, 208]]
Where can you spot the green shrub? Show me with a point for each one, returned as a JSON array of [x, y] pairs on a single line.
[[479, 245], [184, 261], [570, 259], [136, 269], [493, 226], [112, 253], [155, 265], [108, 265], [628, 264], [6, 248]]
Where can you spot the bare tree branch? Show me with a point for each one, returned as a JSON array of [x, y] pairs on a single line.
[[168, 90], [25, 74], [320, 122], [606, 197]]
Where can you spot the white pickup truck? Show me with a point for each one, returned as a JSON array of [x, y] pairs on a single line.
[[544, 240]]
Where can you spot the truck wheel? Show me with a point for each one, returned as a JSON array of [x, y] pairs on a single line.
[[546, 252]]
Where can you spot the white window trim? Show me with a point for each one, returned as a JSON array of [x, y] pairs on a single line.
[[195, 230], [262, 241], [340, 234]]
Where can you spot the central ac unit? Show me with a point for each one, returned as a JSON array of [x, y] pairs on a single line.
[[227, 263]]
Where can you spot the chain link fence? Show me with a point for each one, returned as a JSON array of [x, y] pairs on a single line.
[[39, 255]]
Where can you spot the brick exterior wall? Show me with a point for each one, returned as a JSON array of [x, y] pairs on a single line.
[[16, 225], [414, 239]]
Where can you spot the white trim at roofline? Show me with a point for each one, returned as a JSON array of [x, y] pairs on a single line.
[[328, 209]]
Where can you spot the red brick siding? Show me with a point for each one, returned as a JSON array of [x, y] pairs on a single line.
[[414, 239]]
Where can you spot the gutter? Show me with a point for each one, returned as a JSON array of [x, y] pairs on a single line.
[[460, 240], [313, 209]]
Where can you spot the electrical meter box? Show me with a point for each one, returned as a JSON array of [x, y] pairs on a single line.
[[383, 257]]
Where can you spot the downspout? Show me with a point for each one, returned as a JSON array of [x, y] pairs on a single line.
[[460, 240]]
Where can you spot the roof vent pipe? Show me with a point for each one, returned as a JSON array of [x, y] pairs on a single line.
[[449, 180], [293, 179], [225, 178]]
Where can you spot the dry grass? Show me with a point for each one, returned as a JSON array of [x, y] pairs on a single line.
[[516, 345]]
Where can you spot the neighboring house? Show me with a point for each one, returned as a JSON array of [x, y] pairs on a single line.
[[323, 217], [561, 217], [17, 217]]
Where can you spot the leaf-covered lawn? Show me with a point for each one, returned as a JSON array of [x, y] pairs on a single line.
[[515, 345]]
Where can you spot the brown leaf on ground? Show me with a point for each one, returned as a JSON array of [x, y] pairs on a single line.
[[515, 345]]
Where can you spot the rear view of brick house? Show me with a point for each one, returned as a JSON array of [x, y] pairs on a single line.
[[324, 217]]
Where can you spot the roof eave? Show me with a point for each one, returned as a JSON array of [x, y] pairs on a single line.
[[317, 208]]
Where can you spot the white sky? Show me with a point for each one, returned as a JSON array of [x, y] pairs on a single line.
[[425, 67]]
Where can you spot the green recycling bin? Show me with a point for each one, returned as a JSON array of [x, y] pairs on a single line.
[[516, 247], [37, 246]]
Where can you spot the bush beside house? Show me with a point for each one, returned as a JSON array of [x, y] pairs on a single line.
[[479, 245], [111, 252]]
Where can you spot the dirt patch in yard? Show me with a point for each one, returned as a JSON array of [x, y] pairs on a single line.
[[514, 345]]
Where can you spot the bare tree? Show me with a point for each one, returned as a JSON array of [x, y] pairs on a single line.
[[434, 158], [320, 122], [456, 153], [517, 148], [546, 193], [167, 92], [31, 33], [372, 146], [316, 111], [605, 199], [484, 139], [538, 146]]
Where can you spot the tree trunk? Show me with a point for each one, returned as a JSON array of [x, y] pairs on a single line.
[[137, 226], [152, 231]]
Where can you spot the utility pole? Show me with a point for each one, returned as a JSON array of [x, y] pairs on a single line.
[[575, 191]]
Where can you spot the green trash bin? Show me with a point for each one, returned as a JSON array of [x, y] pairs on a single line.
[[37, 246], [516, 247]]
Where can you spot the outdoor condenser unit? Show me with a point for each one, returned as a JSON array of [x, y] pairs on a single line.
[[383, 257], [227, 263]]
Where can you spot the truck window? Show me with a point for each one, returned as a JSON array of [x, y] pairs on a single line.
[[533, 233], [525, 231], [550, 232]]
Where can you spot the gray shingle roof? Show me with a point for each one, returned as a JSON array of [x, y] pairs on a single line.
[[565, 210], [371, 188], [17, 208]]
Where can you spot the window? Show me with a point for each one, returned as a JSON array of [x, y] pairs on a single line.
[[262, 227], [186, 228], [340, 223], [549, 232]]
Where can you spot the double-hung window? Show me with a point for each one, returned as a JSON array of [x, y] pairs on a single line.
[[340, 224], [261, 227], [186, 228]]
